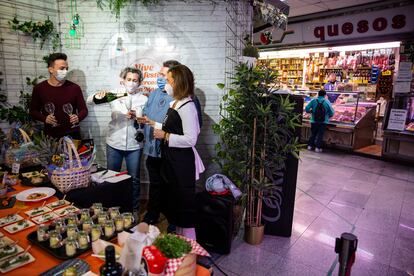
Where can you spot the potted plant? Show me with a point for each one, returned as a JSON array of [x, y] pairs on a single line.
[[250, 52], [256, 134]]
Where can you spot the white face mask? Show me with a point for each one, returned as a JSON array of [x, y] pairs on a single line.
[[61, 75], [168, 88], [130, 86]]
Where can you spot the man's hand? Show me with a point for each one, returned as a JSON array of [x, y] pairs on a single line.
[[51, 120], [132, 114], [143, 120], [159, 134], [100, 95], [74, 119]]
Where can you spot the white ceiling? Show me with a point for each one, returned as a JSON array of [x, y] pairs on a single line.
[[302, 7]]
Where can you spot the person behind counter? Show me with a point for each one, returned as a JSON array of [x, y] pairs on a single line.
[[321, 110], [332, 84], [57, 102], [121, 141]]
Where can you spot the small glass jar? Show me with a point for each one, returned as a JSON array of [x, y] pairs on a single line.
[[42, 232], [96, 232], [71, 230], [55, 239], [72, 219], [119, 223], [128, 220], [60, 225], [85, 214], [71, 246], [102, 217], [87, 225], [83, 240], [113, 212], [109, 228], [97, 208]]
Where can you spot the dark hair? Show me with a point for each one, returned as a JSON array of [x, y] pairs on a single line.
[[55, 56], [132, 70], [183, 81], [321, 93], [170, 63]]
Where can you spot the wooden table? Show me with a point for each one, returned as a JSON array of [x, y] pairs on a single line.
[[45, 261]]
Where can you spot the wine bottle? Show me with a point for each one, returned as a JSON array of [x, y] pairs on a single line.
[[109, 97], [110, 267]]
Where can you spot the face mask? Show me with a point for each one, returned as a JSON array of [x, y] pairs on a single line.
[[131, 86], [61, 75], [168, 88], [161, 82]]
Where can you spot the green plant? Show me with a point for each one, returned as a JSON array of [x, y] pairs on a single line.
[[250, 50], [38, 30], [172, 246], [257, 134], [46, 147], [115, 6]]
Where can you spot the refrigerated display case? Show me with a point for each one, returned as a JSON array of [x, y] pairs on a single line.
[[400, 144], [353, 124]]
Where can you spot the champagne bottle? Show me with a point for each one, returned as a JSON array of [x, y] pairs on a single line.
[[110, 267], [109, 97]]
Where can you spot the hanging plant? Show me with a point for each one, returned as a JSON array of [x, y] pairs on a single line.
[[115, 6], [37, 30]]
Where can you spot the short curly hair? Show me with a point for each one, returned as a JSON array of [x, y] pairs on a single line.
[[132, 70], [55, 56]]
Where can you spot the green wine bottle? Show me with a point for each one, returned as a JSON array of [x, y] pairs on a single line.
[[109, 97]]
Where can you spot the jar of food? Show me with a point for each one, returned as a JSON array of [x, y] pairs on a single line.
[[60, 225], [71, 246], [85, 214], [55, 239], [42, 232], [102, 217], [119, 223], [72, 219], [87, 225], [97, 208], [71, 230], [96, 232], [113, 212], [128, 220], [109, 228], [83, 239]]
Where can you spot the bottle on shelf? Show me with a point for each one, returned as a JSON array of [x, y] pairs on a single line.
[[111, 267], [109, 97]]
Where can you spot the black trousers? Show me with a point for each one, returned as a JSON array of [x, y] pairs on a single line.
[[317, 132], [154, 173]]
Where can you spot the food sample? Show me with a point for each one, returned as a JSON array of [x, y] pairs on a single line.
[[44, 218], [36, 196], [37, 211], [66, 211], [55, 239], [58, 204], [10, 219], [18, 226], [16, 262], [70, 246]]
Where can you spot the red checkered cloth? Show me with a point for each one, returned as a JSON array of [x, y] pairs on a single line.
[[174, 264]]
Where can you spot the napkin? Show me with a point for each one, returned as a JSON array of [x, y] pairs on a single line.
[[108, 177]]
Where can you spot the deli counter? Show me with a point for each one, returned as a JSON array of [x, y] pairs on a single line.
[[353, 124]]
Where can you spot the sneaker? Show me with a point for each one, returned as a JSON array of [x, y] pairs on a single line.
[[318, 150], [309, 148]]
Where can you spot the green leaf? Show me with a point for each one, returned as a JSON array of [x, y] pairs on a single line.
[[220, 85]]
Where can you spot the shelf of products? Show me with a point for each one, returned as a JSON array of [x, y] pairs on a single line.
[[290, 70]]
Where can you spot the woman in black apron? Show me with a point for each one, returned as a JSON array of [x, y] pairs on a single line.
[[180, 130]]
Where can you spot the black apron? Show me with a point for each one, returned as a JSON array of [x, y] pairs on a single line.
[[178, 176]]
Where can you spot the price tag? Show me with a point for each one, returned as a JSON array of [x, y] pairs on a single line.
[[386, 73], [15, 168], [365, 81]]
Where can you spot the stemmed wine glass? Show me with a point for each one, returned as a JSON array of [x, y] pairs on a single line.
[[68, 109], [50, 108]]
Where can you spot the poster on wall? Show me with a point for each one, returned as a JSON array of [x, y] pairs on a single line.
[[405, 71], [397, 119], [410, 115]]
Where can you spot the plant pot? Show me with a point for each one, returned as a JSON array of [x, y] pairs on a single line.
[[253, 234], [251, 61]]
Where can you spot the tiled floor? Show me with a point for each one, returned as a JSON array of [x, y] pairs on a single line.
[[339, 192]]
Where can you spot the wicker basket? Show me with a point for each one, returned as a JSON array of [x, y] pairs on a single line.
[[23, 155], [76, 176]]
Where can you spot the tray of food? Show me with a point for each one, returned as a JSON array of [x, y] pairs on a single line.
[[17, 261], [76, 266], [44, 218], [57, 204], [71, 236], [38, 211], [10, 219], [10, 250], [34, 178], [19, 226], [66, 211]]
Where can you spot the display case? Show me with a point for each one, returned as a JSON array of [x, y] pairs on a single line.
[[353, 124], [399, 144]]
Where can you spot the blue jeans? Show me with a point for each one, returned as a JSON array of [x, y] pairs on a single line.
[[317, 132], [114, 159]]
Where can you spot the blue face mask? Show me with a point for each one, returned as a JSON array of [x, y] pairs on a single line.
[[161, 82]]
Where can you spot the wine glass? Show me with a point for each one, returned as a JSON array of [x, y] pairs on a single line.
[[50, 108], [68, 109]]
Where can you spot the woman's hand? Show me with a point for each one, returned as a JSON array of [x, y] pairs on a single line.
[[159, 134], [143, 120]]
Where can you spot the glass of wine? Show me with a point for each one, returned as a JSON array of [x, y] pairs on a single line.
[[68, 109], [50, 108]]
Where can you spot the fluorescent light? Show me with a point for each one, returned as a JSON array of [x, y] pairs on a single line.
[[301, 53]]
